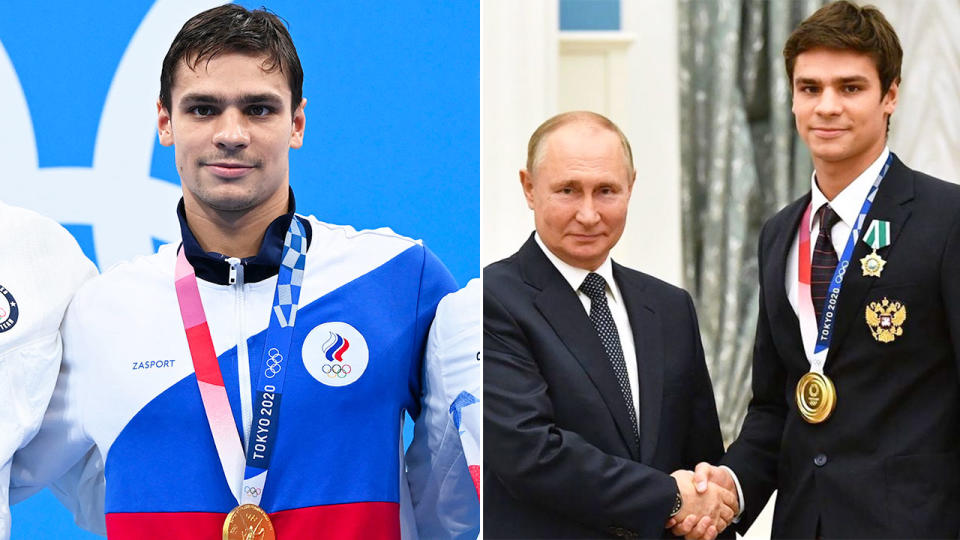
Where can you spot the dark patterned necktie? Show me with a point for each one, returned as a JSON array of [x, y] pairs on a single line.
[[594, 286], [824, 259]]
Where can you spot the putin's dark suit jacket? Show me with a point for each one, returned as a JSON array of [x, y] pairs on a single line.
[[559, 456], [886, 463]]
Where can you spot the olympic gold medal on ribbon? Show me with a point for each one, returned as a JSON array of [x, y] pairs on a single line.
[[248, 522], [816, 397]]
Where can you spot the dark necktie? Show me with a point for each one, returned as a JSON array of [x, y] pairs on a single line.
[[824, 259], [594, 286]]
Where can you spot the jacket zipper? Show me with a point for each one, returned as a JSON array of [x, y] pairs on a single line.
[[243, 356]]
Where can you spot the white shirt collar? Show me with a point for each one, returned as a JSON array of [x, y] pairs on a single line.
[[848, 202], [575, 276]]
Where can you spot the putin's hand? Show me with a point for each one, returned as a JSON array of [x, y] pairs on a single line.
[[704, 513]]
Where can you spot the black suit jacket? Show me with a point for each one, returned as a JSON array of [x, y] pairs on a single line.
[[886, 463], [558, 453]]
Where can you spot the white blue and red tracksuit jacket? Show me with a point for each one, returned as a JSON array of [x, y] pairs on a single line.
[[128, 386]]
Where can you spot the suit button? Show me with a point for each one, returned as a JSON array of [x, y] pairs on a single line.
[[820, 460]]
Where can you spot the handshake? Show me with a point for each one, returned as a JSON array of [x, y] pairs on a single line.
[[710, 502]]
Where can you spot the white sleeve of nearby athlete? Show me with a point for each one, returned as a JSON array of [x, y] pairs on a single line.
[[41, 268], [443, 460], [81, 490], [61, 442], [27, 377]]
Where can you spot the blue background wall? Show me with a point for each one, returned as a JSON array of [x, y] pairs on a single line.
[[392, 133]]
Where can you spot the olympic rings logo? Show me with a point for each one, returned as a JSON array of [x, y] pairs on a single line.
[[273, 363], [336, 370], [252, 490]]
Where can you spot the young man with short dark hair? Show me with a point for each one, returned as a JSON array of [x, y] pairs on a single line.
[[855, 416], [250, 382]]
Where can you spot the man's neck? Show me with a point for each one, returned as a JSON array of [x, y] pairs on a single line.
[[234, 234], [833, 177]]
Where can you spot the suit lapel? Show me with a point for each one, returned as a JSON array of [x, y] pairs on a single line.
[[647, 337], [561, 308], [895, 189], [779, 309]]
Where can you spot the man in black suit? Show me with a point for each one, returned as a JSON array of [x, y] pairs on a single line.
[[595, 386], [855, 416]]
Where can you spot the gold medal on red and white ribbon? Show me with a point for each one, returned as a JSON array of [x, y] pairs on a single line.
[[248, 522]]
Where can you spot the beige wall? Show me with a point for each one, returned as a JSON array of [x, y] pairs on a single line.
[[531, 71]]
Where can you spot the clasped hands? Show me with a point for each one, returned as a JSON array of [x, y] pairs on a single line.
[[710, 502]]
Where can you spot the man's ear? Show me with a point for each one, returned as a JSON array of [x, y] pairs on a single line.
[[299, 125], [889, 100], [164, 125], [526, 181]]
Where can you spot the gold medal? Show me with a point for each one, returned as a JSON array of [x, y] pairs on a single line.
[[872, 264], [248, 522], [816, 397]]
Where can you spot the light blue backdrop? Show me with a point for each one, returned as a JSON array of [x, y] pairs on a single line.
[[392, 133]]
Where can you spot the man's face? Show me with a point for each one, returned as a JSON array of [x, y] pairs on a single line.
[[579, 193], [231, 126], [839, 110]]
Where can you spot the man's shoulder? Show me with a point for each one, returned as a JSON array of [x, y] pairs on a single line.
[[941, 192], [339, 254], [130, 278], [648, 284], [931, 201], [347, 236], [349, 245], [47, 238], [23, 219], [503, 269], [507, 277]]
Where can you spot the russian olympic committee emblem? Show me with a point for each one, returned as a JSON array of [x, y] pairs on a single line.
[[8, 310], [335, 354]]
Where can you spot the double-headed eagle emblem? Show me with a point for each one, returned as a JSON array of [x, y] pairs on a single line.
[[885, 319]]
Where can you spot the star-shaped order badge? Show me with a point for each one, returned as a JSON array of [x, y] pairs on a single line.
[[877, 236]]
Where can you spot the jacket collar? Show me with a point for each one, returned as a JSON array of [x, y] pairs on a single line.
[[213, 267]]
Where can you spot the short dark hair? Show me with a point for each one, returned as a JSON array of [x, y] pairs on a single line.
[[232, 28], [843, 25], [535, 152]]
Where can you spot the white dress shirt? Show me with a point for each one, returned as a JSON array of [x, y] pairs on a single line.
[[575, 276], [847, 205]]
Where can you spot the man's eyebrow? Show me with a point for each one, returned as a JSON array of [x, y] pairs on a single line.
[[247, 99], [836, 80], [201, 98], [259, 98]]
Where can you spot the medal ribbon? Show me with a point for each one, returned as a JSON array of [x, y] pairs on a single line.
[[272, 367], [818, 336], [878, 234]]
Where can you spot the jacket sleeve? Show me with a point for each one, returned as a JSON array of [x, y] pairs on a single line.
[[754, 456], [538, 461], [50, 267], [704, 441], [61, 451], [27, 378], [950, 285], [443, 461]]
